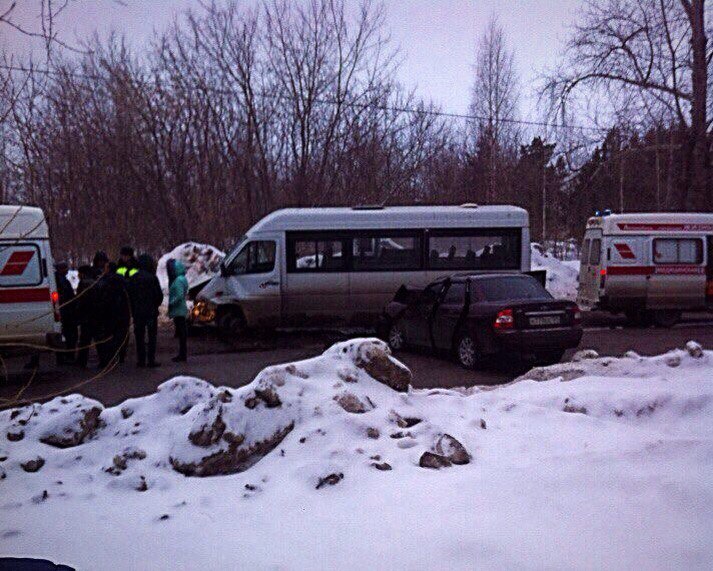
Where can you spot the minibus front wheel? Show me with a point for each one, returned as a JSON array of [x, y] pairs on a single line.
[[232, 321]]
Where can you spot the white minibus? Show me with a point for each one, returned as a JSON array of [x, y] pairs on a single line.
[[309, 266], [650, 266]]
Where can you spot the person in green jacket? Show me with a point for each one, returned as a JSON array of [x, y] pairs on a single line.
[[177, 308]]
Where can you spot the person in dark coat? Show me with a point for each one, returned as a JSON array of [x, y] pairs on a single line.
[[114, 314], [67, 313], [91, 323], [146, 297]]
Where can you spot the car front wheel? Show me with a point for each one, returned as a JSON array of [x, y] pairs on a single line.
[[395, 338], [466, 351]]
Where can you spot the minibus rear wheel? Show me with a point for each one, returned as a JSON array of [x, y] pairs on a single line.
[[666, 317]]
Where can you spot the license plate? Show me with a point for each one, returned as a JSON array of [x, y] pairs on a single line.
[[545, 320]]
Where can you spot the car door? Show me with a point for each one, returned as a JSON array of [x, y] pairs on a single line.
[[448, 314], [417, 316]]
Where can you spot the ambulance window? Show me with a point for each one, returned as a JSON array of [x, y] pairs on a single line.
[[595, 255], [20, 265], [678, 251], [584, 256]]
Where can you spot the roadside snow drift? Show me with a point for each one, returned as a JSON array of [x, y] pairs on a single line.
[[201, 261], [336, 462], [562, 276]]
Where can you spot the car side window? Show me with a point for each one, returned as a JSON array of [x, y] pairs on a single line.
[[455, 294]]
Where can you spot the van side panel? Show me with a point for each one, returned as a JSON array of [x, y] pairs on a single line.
[[625, 285]]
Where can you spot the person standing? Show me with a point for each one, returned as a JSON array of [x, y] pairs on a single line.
[[146, 297], [67, 314], [127, 264], [89, 309], [85, 309], [177, 308], [114, 313]]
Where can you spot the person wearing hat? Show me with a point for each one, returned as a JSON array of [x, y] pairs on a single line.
[[126, 266], [67, 313]]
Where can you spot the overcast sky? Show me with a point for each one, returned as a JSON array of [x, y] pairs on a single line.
[[437, 37]]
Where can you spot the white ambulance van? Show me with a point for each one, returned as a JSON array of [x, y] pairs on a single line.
[[650, 266], [29, 310]]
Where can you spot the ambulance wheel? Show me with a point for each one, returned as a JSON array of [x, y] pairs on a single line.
[[666, 317]]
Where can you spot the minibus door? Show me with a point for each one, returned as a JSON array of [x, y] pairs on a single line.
[[254, 281]]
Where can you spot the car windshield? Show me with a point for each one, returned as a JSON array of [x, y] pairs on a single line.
[[510, 287]]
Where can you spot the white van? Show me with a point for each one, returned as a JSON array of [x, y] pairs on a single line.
[[649, 266], [29, 310], [305, 266]]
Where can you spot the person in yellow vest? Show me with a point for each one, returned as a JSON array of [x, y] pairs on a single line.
[[126, 266]]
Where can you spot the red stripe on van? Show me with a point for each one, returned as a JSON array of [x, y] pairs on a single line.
[[658, 270], [664, 227], [625, 251], [630, 270], [24, 295]]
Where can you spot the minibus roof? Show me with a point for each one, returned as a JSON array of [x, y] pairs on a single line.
[[22, 223], [653, 223], [396, 217]]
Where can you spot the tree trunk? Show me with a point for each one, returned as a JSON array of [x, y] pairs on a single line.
[[696, 197]]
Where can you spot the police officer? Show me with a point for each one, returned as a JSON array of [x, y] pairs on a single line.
[[114, 313], [126, 266], [146, 297]]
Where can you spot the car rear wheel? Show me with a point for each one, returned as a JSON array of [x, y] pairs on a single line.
[[546, 358], [395, 337], [466, 351]]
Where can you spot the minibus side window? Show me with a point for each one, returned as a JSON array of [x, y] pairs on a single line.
[[375, 252], [678, 250], [595, 254], [317, 254], [495, 249]]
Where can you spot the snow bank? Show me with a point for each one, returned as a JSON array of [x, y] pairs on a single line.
[[608, 467], [202, 261], [562, 276]]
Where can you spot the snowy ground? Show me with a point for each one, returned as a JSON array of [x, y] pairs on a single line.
[[562, 276], [599, 463]]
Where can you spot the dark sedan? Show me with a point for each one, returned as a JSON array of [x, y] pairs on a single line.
[[476, 316]]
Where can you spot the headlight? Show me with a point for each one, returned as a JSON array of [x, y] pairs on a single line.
[[203, 312]]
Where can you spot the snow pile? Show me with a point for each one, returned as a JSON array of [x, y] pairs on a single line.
[[329, 467], [202, 262], [562, 276]]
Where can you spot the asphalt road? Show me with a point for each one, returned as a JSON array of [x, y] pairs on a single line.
[[235, 363]]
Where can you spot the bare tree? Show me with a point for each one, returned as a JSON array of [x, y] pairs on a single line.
[[648, 61], [494, 101]]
